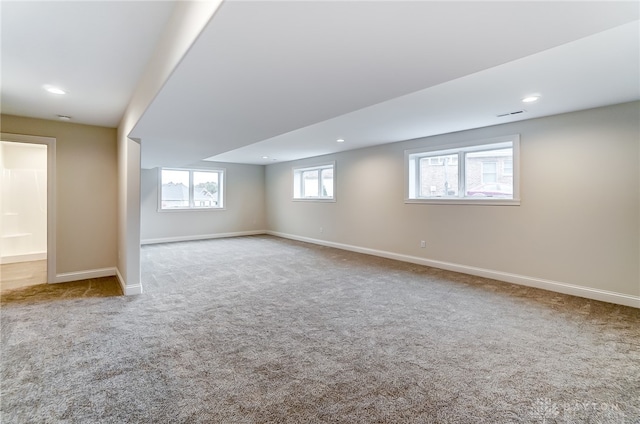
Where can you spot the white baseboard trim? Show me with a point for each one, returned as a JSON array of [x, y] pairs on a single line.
[[202, 237], [97, 273], [84, 275], [555, 286], [38, 256], [128, 290]]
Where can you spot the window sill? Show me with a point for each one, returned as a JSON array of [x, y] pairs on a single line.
[[311, 199], [191, 210], [478, 202]]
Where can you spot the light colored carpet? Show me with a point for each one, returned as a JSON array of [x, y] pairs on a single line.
[[266, 330]]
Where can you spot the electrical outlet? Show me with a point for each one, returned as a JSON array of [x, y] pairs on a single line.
[[423, 243], [321, 230]]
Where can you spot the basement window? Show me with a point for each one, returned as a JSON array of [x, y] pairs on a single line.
[[314, 183], [190, 189], [481, 172]]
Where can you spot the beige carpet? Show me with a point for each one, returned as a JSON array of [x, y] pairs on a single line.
[[265, 330]]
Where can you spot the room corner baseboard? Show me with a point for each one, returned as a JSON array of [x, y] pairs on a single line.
[[84, 275], [128, 290], [202, 237], [98, 273], [555, 286]]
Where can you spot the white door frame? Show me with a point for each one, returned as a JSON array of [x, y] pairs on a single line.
[[50, 142]]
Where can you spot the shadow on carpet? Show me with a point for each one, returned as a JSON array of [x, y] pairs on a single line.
[[94, 287]]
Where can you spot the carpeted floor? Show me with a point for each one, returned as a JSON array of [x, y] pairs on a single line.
[[265, 330]]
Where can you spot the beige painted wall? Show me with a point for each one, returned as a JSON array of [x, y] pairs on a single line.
[[578, 222], [86, 191], [244, 206]]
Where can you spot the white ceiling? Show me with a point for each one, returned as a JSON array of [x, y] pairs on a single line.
[[94, 50], [286, 79], [302, 74], [586, 73]]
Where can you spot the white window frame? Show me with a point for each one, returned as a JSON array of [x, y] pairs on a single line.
[[222, 179], [297, 185], [412, 174]]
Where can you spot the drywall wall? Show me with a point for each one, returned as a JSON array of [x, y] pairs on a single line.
[[187, 20], [86, 192], [23, 204], [128, 267], [576, 228], [243, 212]]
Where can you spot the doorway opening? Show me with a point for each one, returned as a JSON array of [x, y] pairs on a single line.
[[27, 247]]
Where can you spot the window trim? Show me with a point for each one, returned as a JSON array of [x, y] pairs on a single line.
[[319, 167], [457, 148], [222, 175]]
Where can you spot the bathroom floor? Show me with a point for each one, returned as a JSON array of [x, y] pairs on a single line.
[[22, 274]]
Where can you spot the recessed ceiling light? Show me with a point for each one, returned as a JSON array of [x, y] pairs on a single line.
[[265, 157], [530, 99], [340, 140], [64, 117], [54, 90]]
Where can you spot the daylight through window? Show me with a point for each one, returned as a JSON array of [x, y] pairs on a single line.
[[476, 172], [314, 183], [191, 189]]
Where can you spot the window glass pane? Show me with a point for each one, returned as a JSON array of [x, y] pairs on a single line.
[[175, 189], [439, 176], [507, 167], [310, 183], [486, 170], [489, 172], [486, 176], [205, 189], [327, 182], [314, 183]]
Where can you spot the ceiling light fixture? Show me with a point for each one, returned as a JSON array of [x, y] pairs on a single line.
[[54, 90], [64, 117], [531, 99], [340, 140], [265, 157]]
